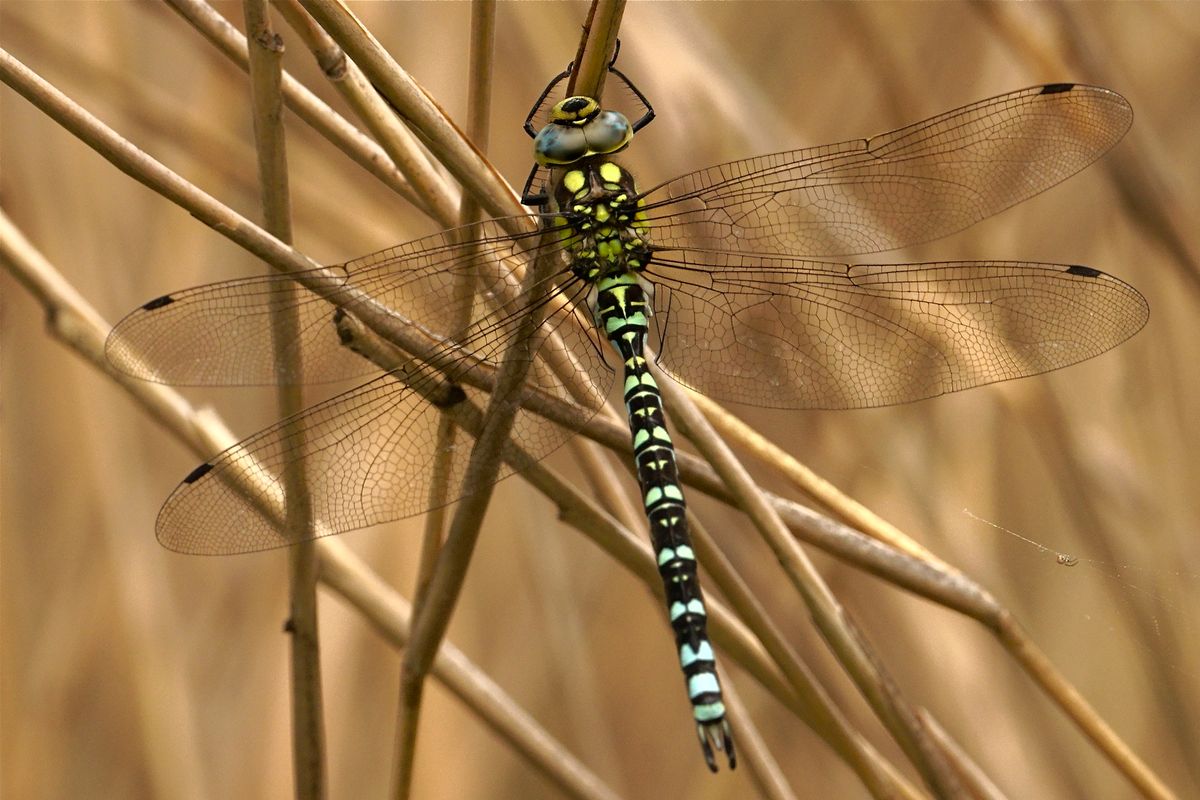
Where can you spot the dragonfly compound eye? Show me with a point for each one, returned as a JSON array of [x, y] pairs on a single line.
[[559, 144], [608, 132]]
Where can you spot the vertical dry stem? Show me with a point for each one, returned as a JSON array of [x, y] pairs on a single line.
[[308, 728]]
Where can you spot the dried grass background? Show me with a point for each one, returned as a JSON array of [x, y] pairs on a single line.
[[129, 671]]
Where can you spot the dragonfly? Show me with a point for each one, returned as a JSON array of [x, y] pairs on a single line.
[[730, 279]]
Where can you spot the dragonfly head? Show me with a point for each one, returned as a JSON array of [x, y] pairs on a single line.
[[580, 128]]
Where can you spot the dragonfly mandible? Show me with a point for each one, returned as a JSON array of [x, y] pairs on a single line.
[[716, 275]]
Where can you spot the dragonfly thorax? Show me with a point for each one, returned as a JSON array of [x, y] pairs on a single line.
[[598, 204]]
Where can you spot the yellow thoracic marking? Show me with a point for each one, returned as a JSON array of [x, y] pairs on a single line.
[[610, 172], [574, 180]]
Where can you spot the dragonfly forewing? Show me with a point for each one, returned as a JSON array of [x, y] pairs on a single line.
[[222, 334], [912, 185]]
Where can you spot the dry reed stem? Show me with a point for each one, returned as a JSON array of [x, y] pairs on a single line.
[[1067, 697], [980, 606], [438, 198], [846, 641], [169, 407], [433, 618], [445, 584], [974, 780], [416, 111], [812, 484], [951, 590], [597, 47], [753, 754], [306, 105], [444, 139], [308, 716], [392, 618], [605, 483], [597, 524], [821, 712], [558, 492]]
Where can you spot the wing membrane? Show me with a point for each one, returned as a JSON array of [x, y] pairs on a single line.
[[911, 185], [224, 333], [367, 456], [791, 333]]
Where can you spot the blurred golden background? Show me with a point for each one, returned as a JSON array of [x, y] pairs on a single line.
[[130, 671]]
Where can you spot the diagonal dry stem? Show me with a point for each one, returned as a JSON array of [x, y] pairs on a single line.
[[445, 584], [306, 105], [821, 712], [439, 133], [618, 541], [932, 577], [437, 196]]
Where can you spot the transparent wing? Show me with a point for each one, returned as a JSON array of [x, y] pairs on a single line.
[[912, 185], [789, 333], [368, 455], [224, 333]]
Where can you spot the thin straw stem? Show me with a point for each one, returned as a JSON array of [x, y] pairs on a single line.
[[308, 728], [306, 105]]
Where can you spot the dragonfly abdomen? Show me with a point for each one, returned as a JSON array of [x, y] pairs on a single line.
[[622, 310]]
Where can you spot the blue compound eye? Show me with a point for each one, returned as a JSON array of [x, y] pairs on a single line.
[[559, 144], [608, 132]]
